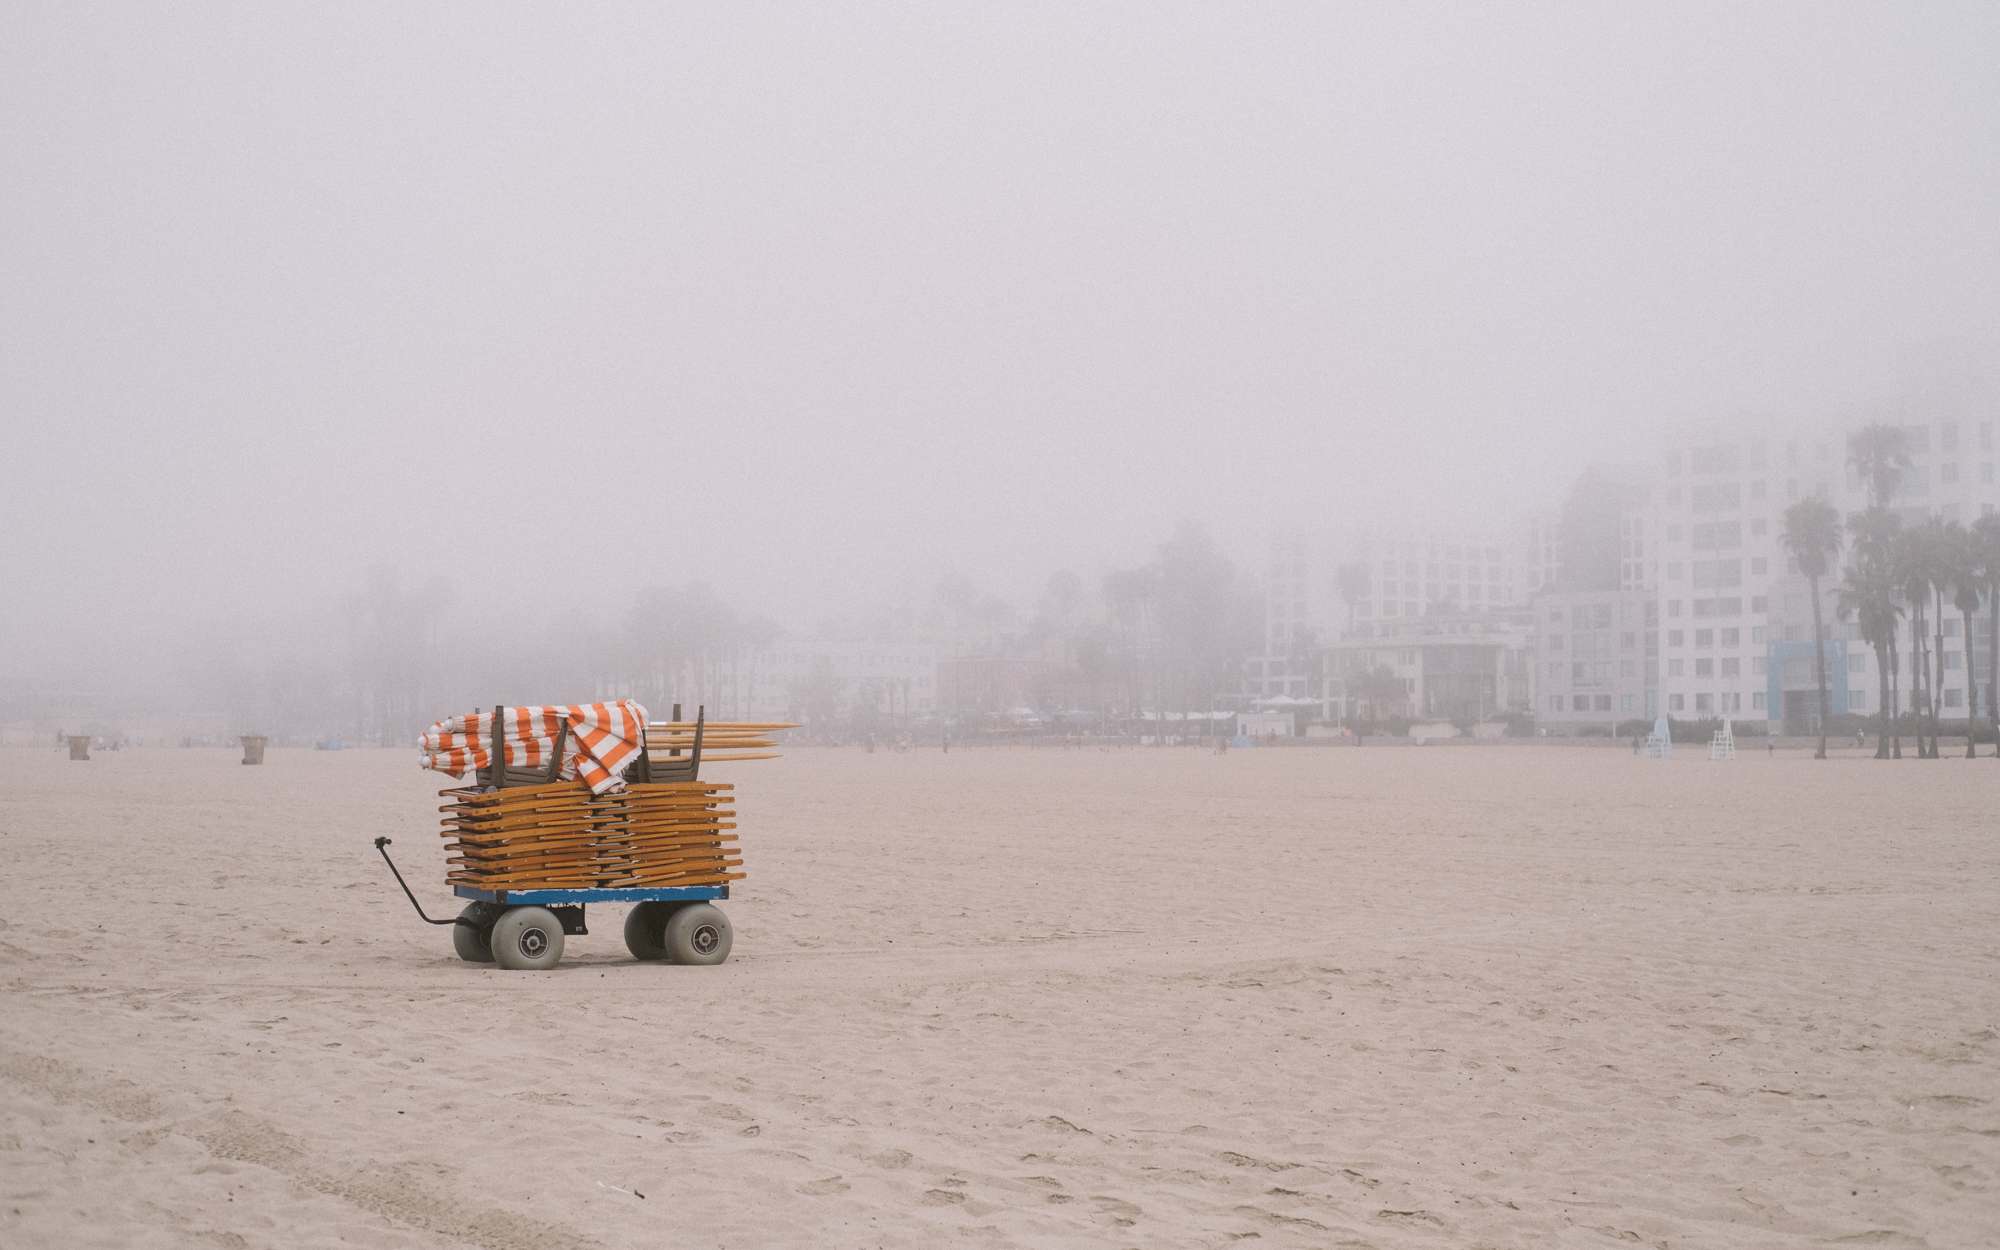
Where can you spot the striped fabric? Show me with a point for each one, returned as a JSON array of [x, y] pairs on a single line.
[[604, 738]]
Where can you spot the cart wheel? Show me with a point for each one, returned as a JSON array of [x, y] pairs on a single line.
[[645, 926], [473, 942], [697, 934], [527, 938]]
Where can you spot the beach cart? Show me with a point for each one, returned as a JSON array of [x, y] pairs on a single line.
[[529, 851]]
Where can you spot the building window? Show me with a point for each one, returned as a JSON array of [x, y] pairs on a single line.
[[1675, 703], [1673, 607], [1732, 636], [1704, 703], [1555, 703], [1580, 703], [1759, 665], [1704, 637], [1704, 667], [1857, 663], [1756, 700], [1674, 668], [1760, 603], [1954, 698], [1675, 637], [1953, 661], [1759, 566], [1857, 700], [1758, 634]]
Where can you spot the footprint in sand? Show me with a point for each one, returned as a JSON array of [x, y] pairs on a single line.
[[823, 1186], [1116, 1210]]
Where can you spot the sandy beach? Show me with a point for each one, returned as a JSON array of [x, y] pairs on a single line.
[[1477, 997]]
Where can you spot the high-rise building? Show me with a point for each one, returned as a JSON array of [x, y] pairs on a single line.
[[1735, 616]]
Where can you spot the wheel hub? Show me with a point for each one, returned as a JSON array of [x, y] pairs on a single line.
[[533, 942], [706, 939]]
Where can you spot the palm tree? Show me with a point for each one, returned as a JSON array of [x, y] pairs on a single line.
[[1812, 535], [1986, 540], [1913, 575], [1877, 538], [1967, 575], [1937, 540], [1869, 597], [1880, 454]]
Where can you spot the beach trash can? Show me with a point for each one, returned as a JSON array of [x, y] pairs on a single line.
[[253, 749], [79, 746]]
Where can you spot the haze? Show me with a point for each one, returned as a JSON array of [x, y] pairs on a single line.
[[822, 303]]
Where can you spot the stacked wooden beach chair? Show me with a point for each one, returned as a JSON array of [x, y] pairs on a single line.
[[525, 828], [560, 835]]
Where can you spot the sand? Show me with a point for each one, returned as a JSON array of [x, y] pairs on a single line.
[[1517, 996]]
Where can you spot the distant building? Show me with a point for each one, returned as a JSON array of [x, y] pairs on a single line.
[[1322, 588], [1462, 667], [1595, 655], [843, 680]]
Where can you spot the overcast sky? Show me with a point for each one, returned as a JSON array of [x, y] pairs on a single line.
[[816, 301]]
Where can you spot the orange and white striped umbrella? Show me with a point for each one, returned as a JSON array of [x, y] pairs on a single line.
[[604, 738]]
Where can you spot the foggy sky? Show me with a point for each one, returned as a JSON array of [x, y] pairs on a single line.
[[835, 298]]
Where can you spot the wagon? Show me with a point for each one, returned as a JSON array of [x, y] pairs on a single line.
[[534, 852], [524, 929]]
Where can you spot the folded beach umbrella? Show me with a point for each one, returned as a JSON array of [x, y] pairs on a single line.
[[602, 740]]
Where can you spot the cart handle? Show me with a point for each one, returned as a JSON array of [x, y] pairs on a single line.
[[382, 845]]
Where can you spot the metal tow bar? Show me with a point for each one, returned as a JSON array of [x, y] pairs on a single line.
[[382, 845]]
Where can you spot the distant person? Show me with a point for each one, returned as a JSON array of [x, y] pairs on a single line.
[[1635, 744]]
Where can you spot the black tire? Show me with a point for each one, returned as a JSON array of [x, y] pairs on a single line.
[[698, 934], [645, 929], [527, 939], [472, 941]]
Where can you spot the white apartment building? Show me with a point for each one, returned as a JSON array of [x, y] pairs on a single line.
[[1464, 666], [1735, 619], [1596, 652], [1402, 573]]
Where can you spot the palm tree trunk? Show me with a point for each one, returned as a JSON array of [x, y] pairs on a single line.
[[1895, 697], [1887, 698], [1993, 662], [1920, 672], [1937, 688], [1819, 664], [1971, 690]]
